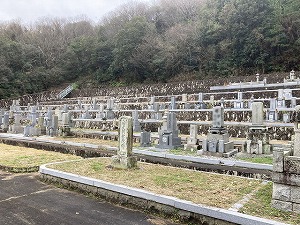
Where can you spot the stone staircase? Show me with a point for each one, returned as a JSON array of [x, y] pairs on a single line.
[[66, 91]]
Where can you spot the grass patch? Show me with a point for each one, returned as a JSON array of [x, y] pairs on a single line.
[[262, 159], [16, 156], [92, 141], [199, 187], [260, 205], [181, 151]]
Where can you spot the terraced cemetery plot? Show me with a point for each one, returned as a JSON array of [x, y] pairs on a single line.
[[199, 187], [19, 157], [260, 205]]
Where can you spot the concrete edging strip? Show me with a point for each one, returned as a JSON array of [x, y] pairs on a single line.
[[221, 214]]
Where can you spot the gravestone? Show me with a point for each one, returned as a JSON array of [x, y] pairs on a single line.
[[168, 134], [79, 104], [51, 124], [17, 128], [94, 105], [33, 116], [2, 112], [212, 100], [192, 141], [86, 115], [272, 114], [65, 129], [257, 114], [258, 136], [184, 98], [110, 104], [54, 126], [65, 108], [293, 102], [136, 122], [124, 158], [287, 94], [41, 125], [100, 114], [5, 122], [110, 115], [173, 103], [145, 139], [222, 102], [201, 104], [286, 117], [239, 104], [152, 100], [200, 97], [217, 141], [156, 107]]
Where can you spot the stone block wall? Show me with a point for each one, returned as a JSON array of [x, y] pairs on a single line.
[[175, 88], [286, 181]]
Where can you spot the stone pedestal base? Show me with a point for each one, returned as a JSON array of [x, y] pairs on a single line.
[[120, 162], [169, 140], [16, 129], [217, 143], [65, 131], [258, 140]]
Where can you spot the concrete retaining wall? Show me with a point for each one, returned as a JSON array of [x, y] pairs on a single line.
[[145, 200]]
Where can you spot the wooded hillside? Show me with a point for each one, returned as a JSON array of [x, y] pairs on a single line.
[[152, 43]]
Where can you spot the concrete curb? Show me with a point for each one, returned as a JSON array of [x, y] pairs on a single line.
[[217, 213]]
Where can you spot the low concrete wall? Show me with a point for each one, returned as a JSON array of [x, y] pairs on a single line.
[[145, 200]]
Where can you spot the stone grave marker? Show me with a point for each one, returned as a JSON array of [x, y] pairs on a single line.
[[173, 103], [258, 135], [168, 134], [136, 122], [17, 128], [145, 139], [192, 140], [124, 158], [217, 141]]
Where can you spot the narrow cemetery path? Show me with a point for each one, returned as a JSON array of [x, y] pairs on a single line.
[[25, 200]]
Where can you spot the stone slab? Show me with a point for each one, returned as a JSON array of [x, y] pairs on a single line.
[[295, 194], [281, 192], [282, 205]]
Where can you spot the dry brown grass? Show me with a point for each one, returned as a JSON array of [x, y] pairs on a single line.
[[16, 156], [88, 140], [199, 187], [91, 141]]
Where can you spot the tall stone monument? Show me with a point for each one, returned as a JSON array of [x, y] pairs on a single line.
[[258, 136], [124, 158]]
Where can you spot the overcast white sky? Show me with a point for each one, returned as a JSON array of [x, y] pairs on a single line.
[[29, 11]]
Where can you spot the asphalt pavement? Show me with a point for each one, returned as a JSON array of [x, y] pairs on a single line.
[[26, 200]]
